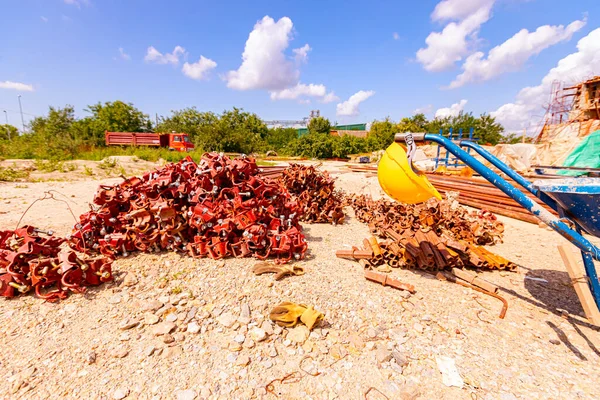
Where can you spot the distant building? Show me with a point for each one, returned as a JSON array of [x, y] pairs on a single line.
[[358, 130]]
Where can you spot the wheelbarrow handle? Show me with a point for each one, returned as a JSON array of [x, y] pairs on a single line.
[[401, 137]]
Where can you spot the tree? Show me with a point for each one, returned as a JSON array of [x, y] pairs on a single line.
[[8, 131], [115, 116], [416, 123], [197, 124], [381, 134], [488, 130], [279, 138], [54, 136], [319, 125]]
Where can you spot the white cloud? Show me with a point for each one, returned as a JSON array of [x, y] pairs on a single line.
[[513, 53], [349, 108], [301, 54], [458, 9], [21, 87], [264, 64], [303, 90], [123, 55], [529, 103], [155, 56], [451, 111], [200, 69], [44, 19], [455, 41], [424, 110], [396, 36]]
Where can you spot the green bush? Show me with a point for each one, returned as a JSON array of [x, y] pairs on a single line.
[[10, 174]]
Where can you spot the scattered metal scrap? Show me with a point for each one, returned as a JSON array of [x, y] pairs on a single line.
[[430, 236], [29, 262], [315, 192], [220, 207]]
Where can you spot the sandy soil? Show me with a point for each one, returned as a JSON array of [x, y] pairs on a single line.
[[104, 344]]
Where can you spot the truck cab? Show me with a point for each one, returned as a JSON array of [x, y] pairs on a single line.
[[180, 142]]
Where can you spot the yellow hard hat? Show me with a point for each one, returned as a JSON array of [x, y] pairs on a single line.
[[398, 179]]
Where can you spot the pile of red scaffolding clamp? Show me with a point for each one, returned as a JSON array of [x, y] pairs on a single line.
[[29, 262], [217, 208]]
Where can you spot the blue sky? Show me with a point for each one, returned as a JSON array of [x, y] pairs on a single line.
[[57, 52]]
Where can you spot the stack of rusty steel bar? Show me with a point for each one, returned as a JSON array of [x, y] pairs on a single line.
[[271, 171], [476, 192], [218, 208], [31, 262], [315, 191], [479, 193], [430, 236]]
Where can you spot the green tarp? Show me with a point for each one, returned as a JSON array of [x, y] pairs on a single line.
[[586, 154]]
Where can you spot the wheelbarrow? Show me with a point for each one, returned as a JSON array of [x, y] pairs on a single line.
[[576, 200]]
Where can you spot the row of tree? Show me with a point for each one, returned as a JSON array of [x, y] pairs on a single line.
[[60, 135]]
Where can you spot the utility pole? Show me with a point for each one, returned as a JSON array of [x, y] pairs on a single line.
[[22, 120], [7, 127]]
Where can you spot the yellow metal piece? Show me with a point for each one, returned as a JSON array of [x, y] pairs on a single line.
[[399, 181]]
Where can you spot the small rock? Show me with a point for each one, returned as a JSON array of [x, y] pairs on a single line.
[[242, 360], [128, 324], [235, 346], [124, 337], [151, 306], [267, 327], [172, 351], [171, 317], [130, 279], [356, 341], [418, 328], [191, 313], [244, 317], [227, 319], [383, 355], [188, 394], [555, 341], [163, 299], [151, 319], [232, 357], [168, 338], [267, 364], [400, 358], [193, 327], [239, 338], [115, 299], [371, 333], [258, 334], [120, 394], [149, 350], [298, 334], [91, 358], [272, 351], [163, 328], [248, 343], [120, 352]]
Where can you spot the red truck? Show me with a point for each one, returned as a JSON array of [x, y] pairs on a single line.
[[173, 141]]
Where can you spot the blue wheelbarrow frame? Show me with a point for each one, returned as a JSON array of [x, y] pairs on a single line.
[[577, 201]]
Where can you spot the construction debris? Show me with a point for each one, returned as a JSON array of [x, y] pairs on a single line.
[[314, 190], [281, 271], [289, 315], [385, 280], [29, 262], [217, 208], [434, 235]]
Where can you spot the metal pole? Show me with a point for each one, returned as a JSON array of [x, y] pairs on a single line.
[[22, 120], [7, 127]]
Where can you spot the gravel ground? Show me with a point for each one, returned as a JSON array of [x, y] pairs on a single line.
[[172, 327]]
